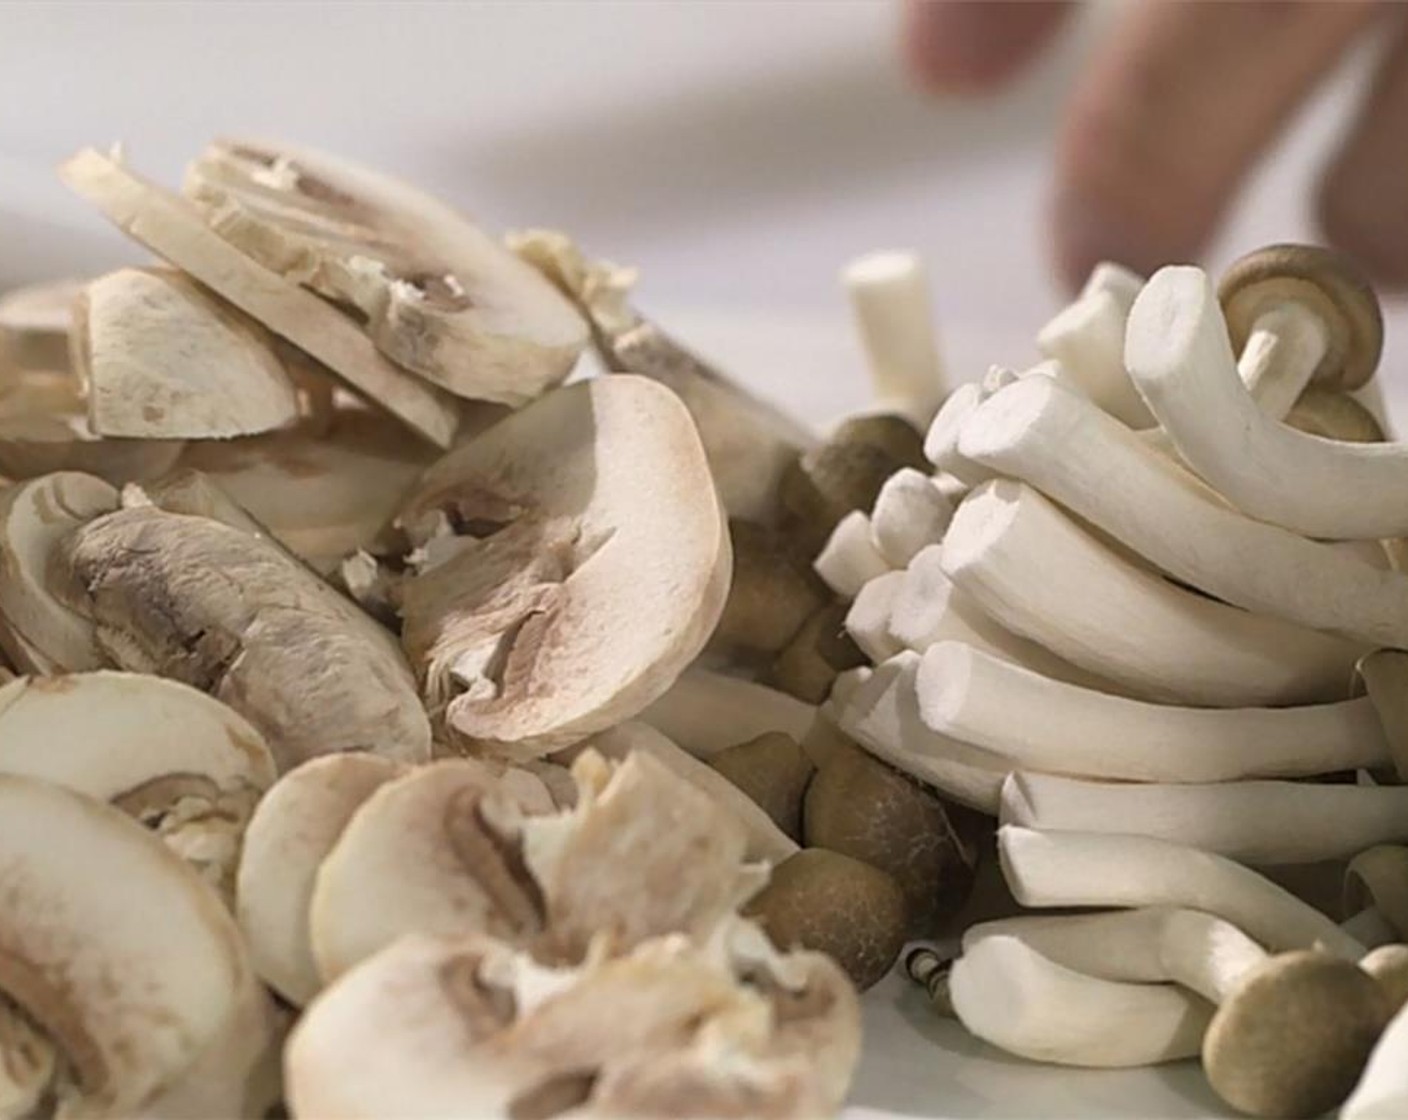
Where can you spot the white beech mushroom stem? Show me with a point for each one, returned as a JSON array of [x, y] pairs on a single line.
[[1087, 338], [973, 697], [849, 559], [889, 296], [1100, 470], [909, 513], [1179, 353], [941, 439], [1048, 869], [1283, 350], [1033, 569], [1011, 996], [1257, 823]]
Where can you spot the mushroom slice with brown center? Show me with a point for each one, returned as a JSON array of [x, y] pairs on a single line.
[[112, 945], [34, 326], [39, 632], [293, 829], [470, 1028], [592, 566], [439, 296], [163, 358], [192, 599]]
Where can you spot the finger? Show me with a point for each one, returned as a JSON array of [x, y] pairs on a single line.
[[973, 46], [1363, 205], [1172, 116]]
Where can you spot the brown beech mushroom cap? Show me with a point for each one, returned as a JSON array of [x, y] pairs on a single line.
[[821, 649], [1292, 1040], [34, 326], [1327, 285], [773, 771], [469, 1027], [1332, 414], [590, 566], [440, 296], [198, 601], [163, 358], [771, 595], [112, 945], [39, 632], [293, 829], [862, 808], [833, 904], [44, 428]]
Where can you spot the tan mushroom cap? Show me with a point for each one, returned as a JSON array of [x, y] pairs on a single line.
[[593, 564], [774, 771], [1332, 414], [440, 296], [112, 944], [44, 428], [200, 602], [1326, 283], [1292, 1040], [466, 1027], [163, 358], [291, 832], [38, 631]]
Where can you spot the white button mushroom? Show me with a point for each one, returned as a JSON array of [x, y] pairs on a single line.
[[868, 619]]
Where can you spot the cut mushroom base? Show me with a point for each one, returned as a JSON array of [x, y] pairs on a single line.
[[1042, 576], [1179, 352], [469, 1028], [1099, 469], [208, 605], [595, 565], [1046, 869]]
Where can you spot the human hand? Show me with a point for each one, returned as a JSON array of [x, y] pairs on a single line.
[[1175, 108]]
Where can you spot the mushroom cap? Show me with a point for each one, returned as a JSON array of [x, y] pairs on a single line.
[[774, 772], [467, 1027], [163, 358], [111, 943], [833, 904], [44, 428], [1293, 1038], [1332, 414], [593, 567], [441, 297], [195, 600], [771, 595], [39, 632], [291, 832], [1326, 283], [34, 326]]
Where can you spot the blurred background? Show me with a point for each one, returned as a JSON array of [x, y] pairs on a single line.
[[738, 152]]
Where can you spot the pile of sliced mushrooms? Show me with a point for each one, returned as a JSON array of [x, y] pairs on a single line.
[[404, 719]]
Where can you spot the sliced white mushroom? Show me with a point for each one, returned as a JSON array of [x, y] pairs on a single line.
[[1099, 469], [439, 295], [706, 711], [1258, 823], [909, 514], [198, 601], [1038, 573], [595, 565], [324, 488], [470, 1028], [1046, 869], [162, 358], [850, 560], [749, 442], [293, 829], [868, 619], [980, 699], [1013, 997], [1087, 338], [34, 326], [1382, 1091], [39, 632], [171, 228], [889, 296], [766, 841], [1179, 351], [112, 945], [44, 427]]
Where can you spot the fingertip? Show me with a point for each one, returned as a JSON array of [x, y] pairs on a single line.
[[973, 47]]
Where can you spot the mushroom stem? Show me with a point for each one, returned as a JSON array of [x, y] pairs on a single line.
[[1101, 471], [1179, 353], [909, 514], [849, 560], [1010, 995], [1046, 869], [1282, 353], [889, 297], [941, 440], [706, 712], [976, 698], [868, 620], [1258, 823], [1033, 569], [1087, 338], [1384, 674]]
